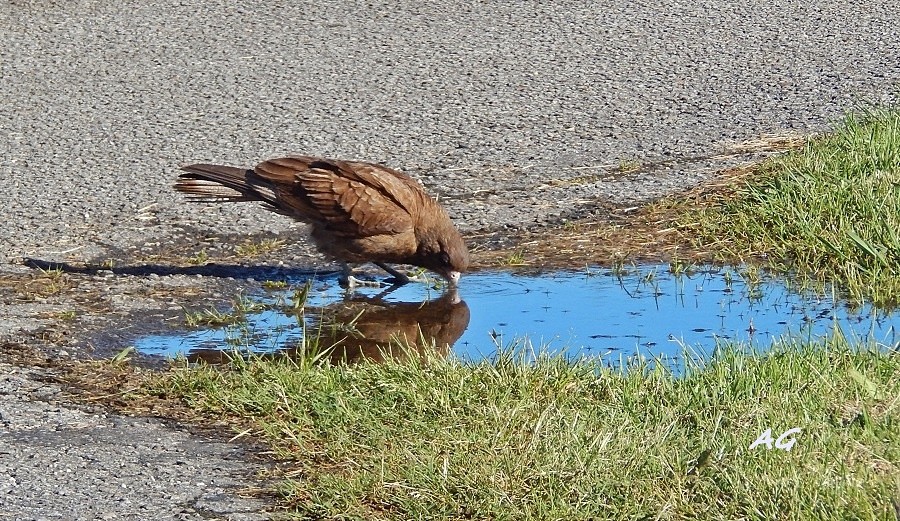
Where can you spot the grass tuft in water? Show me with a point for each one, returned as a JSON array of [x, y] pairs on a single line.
[[546, 437], [212, 317], [828, 212]]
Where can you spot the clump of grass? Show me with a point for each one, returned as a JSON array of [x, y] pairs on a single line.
[[274, 284], [679, 266], [301, 295], [212, 317], [515, 258], [44, 283], [619, 269], [201, 257], [628, 166], [828, 212], [67, 316], [251, 248], [554, 438]]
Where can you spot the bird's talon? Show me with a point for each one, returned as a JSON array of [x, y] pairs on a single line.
[[352, 282]]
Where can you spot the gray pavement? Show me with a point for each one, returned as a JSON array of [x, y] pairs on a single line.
[[516, 113], [69, 463], [101, 101]]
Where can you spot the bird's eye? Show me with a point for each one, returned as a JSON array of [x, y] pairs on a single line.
[[445, 258]]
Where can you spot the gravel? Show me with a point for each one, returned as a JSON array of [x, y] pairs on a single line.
[[516, 113]]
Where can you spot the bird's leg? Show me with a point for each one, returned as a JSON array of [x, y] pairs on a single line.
[[349, 281], [400, 278]]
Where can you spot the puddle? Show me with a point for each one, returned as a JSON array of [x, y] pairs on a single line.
[[597, 312]]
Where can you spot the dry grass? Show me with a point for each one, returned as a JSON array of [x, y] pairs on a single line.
[[644, 234], [37, 285], [117, 384], [651, 233], [255, 248]]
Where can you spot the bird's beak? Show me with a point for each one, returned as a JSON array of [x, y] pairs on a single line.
[[452, 277]]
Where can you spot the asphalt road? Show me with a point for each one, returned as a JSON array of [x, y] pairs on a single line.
[[501, 107], [101, 101]]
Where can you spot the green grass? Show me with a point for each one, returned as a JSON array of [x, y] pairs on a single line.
[[828, 213], [273, 285], [212, 317], [67, 316], [515, 258], [199, 258], [562, 439]]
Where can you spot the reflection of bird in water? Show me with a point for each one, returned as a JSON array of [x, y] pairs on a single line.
[[370, 328], [374, 329], [359, 212]]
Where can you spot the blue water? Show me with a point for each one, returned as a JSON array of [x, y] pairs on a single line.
[[595, 312]]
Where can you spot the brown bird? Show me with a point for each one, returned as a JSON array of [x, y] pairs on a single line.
[[359, 212]]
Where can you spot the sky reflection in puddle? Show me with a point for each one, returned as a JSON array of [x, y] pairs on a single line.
[[597, 313]]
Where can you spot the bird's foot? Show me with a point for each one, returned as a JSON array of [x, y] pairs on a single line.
[[397, 278], [351, 282]]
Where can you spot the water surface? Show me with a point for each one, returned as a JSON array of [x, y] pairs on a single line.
[[596, 312]]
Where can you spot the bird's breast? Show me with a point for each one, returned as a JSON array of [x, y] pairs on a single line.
[[394, 248]]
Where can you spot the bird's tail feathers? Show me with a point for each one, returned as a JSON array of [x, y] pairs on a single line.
[[216, 183]]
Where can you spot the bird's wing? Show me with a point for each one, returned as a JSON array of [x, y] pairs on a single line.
[[358, 199]]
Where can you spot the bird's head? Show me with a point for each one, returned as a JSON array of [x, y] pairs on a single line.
[[444, 252]]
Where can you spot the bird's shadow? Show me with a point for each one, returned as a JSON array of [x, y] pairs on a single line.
[[430, 326], [224, 271], [235, 271]]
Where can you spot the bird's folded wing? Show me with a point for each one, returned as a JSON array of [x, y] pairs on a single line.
[[356, 199]]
